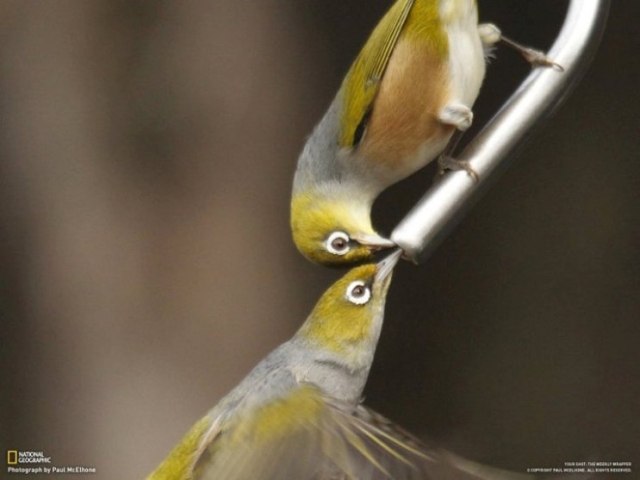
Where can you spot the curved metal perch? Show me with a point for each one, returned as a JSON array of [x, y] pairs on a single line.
[[439, 210]]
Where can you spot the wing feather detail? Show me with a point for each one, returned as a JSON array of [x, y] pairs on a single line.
[[307, 436]]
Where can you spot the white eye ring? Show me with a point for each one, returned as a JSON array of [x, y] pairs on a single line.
[[338, 243], [358, 292]]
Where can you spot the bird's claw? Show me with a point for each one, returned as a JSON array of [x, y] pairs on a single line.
[[449, 163], [538, 59]]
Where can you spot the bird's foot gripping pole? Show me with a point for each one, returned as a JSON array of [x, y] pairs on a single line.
[[490, 35]]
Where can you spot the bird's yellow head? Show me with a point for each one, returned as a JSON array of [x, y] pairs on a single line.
[[348, 317], [334, 232]]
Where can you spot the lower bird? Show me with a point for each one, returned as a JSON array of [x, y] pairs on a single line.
[[298, 414]]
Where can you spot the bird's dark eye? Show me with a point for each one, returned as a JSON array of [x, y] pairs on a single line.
[[358, 292], [338, 243]]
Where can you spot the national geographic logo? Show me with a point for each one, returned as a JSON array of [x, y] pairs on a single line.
[[19, 457]]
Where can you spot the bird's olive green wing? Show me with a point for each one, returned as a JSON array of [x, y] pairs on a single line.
[[306, 436], [363, 80], [275, 440]]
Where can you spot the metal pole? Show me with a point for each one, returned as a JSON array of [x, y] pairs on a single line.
[[439, 210]]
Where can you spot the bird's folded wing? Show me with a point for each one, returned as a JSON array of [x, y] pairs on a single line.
[[363, 80], [307, 436]]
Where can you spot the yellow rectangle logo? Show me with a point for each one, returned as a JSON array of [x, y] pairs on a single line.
[[12, 457]]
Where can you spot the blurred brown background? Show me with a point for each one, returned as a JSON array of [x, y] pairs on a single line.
[[146, 155]]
